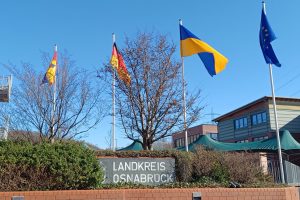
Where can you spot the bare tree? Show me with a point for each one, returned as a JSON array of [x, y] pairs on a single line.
[[78, 103], [163, 144], [108, 139], [150, 108]]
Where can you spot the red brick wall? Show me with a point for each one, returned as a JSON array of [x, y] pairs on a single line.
[[200, 129], [290, 193]]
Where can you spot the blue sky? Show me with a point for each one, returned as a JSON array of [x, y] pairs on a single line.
[[84, 29]]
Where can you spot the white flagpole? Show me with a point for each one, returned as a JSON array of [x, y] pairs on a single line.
[[276, 126], [54, 98], [276, 118], [113, 104], [184, 103]]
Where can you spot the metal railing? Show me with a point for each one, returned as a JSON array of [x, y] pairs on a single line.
[[291, 172]]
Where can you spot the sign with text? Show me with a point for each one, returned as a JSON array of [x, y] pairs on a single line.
[[148, 171]]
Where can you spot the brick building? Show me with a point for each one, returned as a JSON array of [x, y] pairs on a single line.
[[178, 138]]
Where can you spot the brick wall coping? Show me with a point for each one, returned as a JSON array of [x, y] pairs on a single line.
[[288, 193]]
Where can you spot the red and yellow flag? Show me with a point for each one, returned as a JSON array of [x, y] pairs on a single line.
[[118, 64], [51, 71]]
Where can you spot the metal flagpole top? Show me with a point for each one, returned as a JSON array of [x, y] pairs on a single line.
[[180, 22], [264, 6], [113, 37]]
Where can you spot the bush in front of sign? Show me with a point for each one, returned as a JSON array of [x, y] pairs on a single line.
[[224, 167], [45, 166], [184, 166], [205, 168]]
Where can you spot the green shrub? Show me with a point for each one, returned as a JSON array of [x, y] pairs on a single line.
[[206, 167], [210, 164], [70, 165], [245, 168], [184, 166], [66, 165], [223, 167]]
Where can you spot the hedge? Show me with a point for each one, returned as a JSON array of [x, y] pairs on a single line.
[[58, 166], [70, 165], [205, 167]]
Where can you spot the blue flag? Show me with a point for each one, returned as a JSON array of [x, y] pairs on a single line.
[[266, 36]]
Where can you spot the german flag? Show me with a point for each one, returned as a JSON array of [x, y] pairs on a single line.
[[118, 64], [51, 71]]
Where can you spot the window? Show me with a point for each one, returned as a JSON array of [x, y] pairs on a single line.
[[264, 117], [195, 138], [259, 118], [214, 136], [254, 121], [260, 138], [242, 141], [176, 143], [237, 124], [241, 123], [245, 122], [182, 142], [179, 142]]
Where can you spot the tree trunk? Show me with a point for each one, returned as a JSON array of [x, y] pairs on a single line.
[[150, 146]]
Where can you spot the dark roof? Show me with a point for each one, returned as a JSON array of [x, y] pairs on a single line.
[[267, 145], [134, 146], [263, 99]]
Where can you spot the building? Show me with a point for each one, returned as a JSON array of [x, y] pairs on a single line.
[[178, 138], [255, 121], [5, 88], [5, 91]]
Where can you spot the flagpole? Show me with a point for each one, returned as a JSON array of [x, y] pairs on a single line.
[[54, 98], [276, 126], [184, 103], [113, 103]]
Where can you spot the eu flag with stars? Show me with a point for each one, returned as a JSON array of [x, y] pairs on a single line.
[[266, 36]]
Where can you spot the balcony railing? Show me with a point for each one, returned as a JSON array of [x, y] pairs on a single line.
[[5, 88]]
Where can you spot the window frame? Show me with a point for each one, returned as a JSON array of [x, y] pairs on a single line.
[[259, 118], [240, 123]]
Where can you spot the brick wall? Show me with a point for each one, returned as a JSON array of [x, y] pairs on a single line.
[[196, 130], [200, 129], [290, 193]]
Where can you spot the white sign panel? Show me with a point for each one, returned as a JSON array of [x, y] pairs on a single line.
[[148, 171]]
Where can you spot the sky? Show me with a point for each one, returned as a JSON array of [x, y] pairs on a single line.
[[84, 29]]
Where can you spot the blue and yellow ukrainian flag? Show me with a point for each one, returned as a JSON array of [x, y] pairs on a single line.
[[211, 58]]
